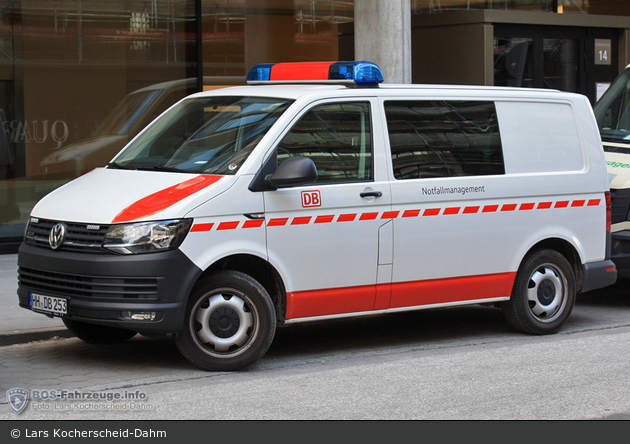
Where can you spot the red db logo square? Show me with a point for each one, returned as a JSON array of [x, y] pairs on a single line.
[[311, 199]]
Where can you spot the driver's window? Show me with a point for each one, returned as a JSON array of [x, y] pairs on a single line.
[[337, 137]]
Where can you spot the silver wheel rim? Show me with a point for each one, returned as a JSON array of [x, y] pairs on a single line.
[[224, 323], [547, 292]]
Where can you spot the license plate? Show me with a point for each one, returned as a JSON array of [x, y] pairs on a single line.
[[48, 304]]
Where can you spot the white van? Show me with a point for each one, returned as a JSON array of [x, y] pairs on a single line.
[[247, 208]]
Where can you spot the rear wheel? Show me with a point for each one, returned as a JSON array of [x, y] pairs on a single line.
[[230, 322], [98, 334], [543, 295]]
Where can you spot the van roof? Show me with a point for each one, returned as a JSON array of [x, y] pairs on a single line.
[[295, 91]]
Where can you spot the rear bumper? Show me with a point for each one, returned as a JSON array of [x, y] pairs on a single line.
[[108, 289], [598, 275], [620, 252]]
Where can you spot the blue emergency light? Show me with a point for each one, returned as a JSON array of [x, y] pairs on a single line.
[[366, 73]]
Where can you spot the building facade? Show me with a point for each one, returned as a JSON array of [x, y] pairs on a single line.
[[79, 78]]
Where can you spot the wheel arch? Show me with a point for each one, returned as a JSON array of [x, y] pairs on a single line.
[[566, 249], [259, 269]]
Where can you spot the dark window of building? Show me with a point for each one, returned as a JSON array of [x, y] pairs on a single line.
[[337, 137], [443, 138]]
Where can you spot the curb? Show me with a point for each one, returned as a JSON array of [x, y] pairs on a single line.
[[23, 337]]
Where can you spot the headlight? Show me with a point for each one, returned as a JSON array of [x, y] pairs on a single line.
[[146, 237]]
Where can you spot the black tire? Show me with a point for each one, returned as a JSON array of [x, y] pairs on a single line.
[[98, 334], [543, 295], [230, 322]]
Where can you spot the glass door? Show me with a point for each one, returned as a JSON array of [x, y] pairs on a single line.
[[581, 60]]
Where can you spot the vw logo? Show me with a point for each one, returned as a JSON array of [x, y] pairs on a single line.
[[57, 233]]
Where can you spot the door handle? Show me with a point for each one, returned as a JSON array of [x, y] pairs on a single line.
[[371, 194]]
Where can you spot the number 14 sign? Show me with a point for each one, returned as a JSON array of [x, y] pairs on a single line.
[[602, 51]]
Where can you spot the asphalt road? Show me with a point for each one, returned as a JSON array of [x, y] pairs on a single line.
[[456, 364]]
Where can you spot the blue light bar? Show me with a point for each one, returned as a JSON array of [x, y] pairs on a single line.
[[360, 72], [260, 72], [366, 73]]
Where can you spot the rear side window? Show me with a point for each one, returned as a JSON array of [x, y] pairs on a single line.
[[540, 137], [437, 138], [337, 137]]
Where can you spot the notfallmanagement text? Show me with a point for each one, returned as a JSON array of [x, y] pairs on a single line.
[[453, 190]]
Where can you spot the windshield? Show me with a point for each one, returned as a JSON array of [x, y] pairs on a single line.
[[209, 135], [613, 111]]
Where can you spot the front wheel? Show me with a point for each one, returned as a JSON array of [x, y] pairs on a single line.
[[543, 295], [230, 322]]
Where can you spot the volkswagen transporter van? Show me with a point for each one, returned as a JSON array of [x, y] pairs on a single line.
[[295, 199]]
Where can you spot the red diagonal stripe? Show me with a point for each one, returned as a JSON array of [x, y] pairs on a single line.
[[324, 219], [228, 225], [163, 199], [471, 210], [278, 222], [346, 217], [201, 227], [411, 213], [368, 216], [253, 223], [431, 212], [390, 215], [301, 220]]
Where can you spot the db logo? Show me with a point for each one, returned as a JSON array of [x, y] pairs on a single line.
[[311, 199]]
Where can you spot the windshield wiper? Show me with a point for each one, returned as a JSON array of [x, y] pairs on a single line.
[[119, 166], [162, 168]]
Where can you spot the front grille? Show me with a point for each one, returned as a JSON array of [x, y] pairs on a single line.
[[85, 238], [100, 287], [620, 205]]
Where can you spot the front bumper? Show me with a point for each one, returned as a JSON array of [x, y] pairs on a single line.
[[107, 289]]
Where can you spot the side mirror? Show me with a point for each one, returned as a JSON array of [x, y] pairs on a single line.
[[292, 172]]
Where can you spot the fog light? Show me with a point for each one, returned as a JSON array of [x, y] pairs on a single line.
[[145, 316]]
